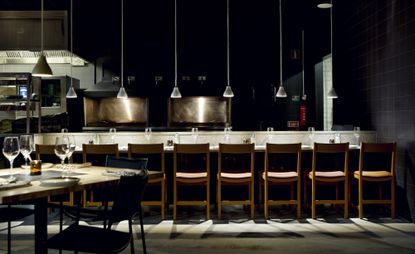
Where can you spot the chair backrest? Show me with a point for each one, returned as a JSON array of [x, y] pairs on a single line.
[[154, 153], [128, 196], [289, 157], [331, 154], [191, 158], [236, 158], [381, 156], [96, 153], [46, 153], [125, 162]]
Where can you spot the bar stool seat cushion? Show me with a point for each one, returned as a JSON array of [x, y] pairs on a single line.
[[289, 174], [374, 174], [330, 174], [191, 175], [235, 175]]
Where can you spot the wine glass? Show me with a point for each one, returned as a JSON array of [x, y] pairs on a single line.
[[311, 133], [72, 147], [195, 134], [356, 132], [62, 148], [270, 130], [227, 132], [11, 148], [113, 131], [147, 134], [26, 148]]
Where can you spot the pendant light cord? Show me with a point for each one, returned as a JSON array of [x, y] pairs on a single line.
[[41, 27], [331, 38], [280, 44], [227, 42], [302, 58], [71, 41], [122, 43], [175, 43]]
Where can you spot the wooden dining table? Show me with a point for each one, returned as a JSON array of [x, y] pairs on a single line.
[[36, 190]]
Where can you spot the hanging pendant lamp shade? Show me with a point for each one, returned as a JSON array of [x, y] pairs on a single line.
[[122, 94], [281, 91], [228, 90], [42, 68], [71, 94], [332, 94], [175, 93]]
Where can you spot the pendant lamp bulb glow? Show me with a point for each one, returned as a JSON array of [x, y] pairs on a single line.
[[175, 93], [122, 94], [281, 91], [42, 68], [332, 94], [71, 94], [228, 90]]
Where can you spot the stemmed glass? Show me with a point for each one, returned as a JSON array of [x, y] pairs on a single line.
[[311, 132], [147, 134], [270, 130], [195, 133], [356, 131], [113, 131], [26, 148], [62, 148], [227, 131], [72, 147], [11, 148]]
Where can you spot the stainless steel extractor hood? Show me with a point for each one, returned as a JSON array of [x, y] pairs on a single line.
[[20, 38], [104, 88]]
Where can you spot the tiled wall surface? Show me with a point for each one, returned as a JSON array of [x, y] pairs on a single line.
[[376, 75]]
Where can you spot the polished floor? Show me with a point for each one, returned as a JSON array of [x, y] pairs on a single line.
[[235, 234]]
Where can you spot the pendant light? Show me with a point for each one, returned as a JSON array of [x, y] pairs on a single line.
[[42, 68], [71, 92], [175, 93], [324, 5], [304, 97], [332, 93], [281, 91], [228, 90], [122, 94]]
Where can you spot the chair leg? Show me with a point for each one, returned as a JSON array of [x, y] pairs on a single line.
[[163, 200], [266, 215], [9, 237], [175, 201], [298, 198], [143, 239], [219, 200], [251, 197], [313, 199], [207, 200], [360, 190], [346, 198], [393, 198], [130, 229]]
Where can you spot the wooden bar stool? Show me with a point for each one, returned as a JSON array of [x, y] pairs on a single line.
[[241, 175], [333, 174], [158, 164], [376, 172], [96, 154], [188, 173], [46, 153], [279, 171]]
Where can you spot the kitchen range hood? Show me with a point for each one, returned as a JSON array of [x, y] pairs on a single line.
[[20, 33]]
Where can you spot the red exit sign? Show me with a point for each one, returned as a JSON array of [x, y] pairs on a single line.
[[293, 124]]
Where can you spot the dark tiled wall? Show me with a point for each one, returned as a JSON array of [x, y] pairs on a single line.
[[375, 74]]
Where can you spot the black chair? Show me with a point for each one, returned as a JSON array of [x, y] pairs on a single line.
[[11, 213], [90, 239], [125, 162]]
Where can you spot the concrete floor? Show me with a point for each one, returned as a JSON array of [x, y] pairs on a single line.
[[235, 234]]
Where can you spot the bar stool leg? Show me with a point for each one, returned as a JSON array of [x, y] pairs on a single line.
[[219, 198], [360, 189], [313, 198]]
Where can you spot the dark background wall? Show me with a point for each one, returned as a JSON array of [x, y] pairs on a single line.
[[375, 77]]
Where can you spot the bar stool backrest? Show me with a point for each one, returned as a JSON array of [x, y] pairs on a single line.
[[377, 156], [331, 157], [191, 158], [281, 157], [154, 153], [236, 158]]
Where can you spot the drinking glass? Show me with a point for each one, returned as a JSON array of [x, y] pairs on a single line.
[[26, 148], [62, 148], [311, 132], [356, 131], [64, 130], [195, 133], [113, 131], [11, 148], [227, 132], [270, 131], [72, 147], [147, 134]]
